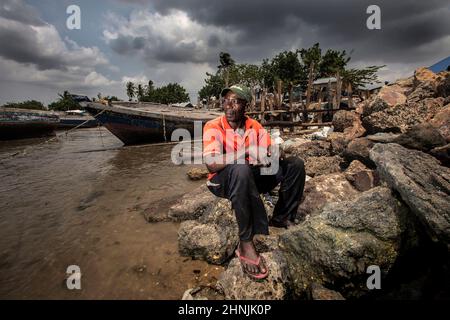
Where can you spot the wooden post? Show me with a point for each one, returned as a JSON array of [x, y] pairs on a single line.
[[308, 91], [319, 117], [350, 95], [280, 95], [290, 96], [338, 90], [263, 100]]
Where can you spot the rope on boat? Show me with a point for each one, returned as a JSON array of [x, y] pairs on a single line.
[[24, 151], [164, 128]]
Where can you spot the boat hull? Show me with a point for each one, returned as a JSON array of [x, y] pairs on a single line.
[[23, 124], [77, 122], [141, 128]]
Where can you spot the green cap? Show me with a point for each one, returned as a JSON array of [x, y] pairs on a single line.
[[242, 92]]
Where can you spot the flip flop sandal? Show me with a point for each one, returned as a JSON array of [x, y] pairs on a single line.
[[257, 262]]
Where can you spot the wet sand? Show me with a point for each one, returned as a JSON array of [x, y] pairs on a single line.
[[68, 203]]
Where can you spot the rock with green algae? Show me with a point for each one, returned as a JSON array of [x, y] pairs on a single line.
[[334, 248]]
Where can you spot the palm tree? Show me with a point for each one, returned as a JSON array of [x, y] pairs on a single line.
[[131, 90], [140, 92], [225, 63]]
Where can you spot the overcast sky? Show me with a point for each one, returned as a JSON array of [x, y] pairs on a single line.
[[179, 41]]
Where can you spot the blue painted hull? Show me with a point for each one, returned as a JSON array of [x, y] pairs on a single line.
[[138, 129]]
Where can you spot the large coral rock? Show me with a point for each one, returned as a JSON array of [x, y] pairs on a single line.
[[339, 142], [305, 149], [361, 177], [213, 237], [358, 149], [422, 183], [334, 248], [422, 137], [343, 119], [319, 292], [392, 95], [193, 204], [400, 118], [425, 85], [235, 284], [322, 190], [197, 173], [441, 121], [316, 166], [442, 154]]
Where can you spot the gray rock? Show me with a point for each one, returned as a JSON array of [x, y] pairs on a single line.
[[335, 247], [441, 121], [316, 148], [361, 177], [213, 237], [443, 86], [322, 190], [158, 211], [316, 166], [422, 137], [338, 142], [422, 183], [383, 137], [235, 284], [343, 119], [400, 118], [442, 154], [267, 243], [319, 292], [358, 149], [193, 204], [197, 173]]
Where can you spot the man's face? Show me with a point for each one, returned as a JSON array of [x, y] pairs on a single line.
[[234, 107]]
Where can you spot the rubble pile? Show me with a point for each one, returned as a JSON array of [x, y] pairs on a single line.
[[379, 196]]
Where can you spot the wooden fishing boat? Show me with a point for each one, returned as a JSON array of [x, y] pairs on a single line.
[[24, 123], [76, 119], [135, 123]]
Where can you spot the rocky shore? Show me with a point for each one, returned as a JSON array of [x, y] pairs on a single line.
[[378, 195]]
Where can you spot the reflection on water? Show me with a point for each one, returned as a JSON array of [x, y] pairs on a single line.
[[67, 202]]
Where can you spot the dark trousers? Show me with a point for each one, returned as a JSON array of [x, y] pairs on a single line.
[[242, 185]]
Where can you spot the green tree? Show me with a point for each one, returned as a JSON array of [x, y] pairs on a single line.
[[171, 93], [214, 84], [140, 92], [267, 74], [149, 88], [29, 104], [131, 90], [287, 67], [333, 61], [64, 103]]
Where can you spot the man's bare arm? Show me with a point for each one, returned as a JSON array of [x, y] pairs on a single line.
[[219, 162]]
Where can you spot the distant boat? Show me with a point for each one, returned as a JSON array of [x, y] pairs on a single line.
[[76, 118], [25, 123], [135, 123]]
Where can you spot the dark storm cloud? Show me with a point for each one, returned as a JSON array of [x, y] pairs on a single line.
[[19, 44], [21, 12], [270, 26], [19, 38], [158, 49]]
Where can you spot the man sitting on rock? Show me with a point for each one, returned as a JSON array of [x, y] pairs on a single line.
[[239, 174]]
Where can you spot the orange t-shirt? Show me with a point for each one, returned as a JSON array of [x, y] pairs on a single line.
[[219, 138]]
